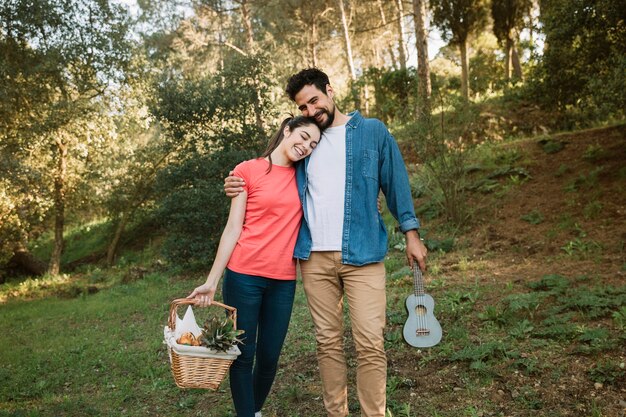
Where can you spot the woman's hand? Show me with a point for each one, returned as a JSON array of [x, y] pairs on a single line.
[[203, 294]]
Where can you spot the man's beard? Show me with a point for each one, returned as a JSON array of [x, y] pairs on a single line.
[[330, 118]]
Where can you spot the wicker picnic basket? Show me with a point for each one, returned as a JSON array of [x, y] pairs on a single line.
[[198, 366]]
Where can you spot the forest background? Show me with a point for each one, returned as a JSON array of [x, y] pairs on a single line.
[[119, 121]]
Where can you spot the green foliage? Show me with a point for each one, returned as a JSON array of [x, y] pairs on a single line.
[[508, 16], [579, 246], [529, 399], [485, 70], [459, 19], [594, 340], [445, 244], [528, 365], [445, 145], [588, 181], [81, 242], [525, 303], [608, 372], [595, 302], [619, 317], [477, 354], [559, 328], [214, 123], [59, 60], [493, 314], [534, 217], [594, 153], [582, 69], [592, 209], [551, 146], [561, 170], [394, 93], [521, 329], [194, 208], [457, 303], [552, 283]]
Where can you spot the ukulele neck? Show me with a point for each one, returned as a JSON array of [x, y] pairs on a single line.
[[418, 281]]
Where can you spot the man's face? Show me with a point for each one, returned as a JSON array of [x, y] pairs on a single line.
[[314, 103]]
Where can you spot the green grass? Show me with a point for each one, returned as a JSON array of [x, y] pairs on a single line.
[[102, 354], [91, 355], [80, 241], [68, 352]]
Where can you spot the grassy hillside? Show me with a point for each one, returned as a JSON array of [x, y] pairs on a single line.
[[531, 297]]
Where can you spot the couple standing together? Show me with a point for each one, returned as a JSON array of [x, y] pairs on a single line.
[[320, 208]]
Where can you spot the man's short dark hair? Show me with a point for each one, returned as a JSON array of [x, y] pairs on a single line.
[[308, 76]]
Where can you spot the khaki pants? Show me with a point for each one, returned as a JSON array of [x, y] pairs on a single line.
[[326, 280]]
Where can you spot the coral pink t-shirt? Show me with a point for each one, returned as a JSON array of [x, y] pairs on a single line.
[[271, 224]]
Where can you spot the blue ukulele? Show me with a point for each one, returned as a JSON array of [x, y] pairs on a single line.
[[421, 329]]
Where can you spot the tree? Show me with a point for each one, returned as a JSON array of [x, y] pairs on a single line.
[[400, 30], [508, 19], [80, 48], [583, 61], [347, 43], [458, 20], [211, 126], [424, 88]]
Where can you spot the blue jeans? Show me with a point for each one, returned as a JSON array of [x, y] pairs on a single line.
[[263, 312]]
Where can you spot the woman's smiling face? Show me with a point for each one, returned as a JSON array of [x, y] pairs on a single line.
[[300, 142]]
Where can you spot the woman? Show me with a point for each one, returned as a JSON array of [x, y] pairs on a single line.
[[256, 249]]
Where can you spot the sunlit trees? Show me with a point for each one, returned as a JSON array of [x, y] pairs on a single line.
[[508, 19], [458, 20], [60, 59], [78, 144]]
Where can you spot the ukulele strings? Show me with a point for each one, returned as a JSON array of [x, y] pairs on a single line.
[[419, 298]]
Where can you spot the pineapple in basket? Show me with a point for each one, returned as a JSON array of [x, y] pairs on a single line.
[[219, 334]]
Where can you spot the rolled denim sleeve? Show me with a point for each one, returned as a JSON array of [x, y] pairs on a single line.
[[395, 185]]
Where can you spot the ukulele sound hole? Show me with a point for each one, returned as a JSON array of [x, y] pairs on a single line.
[[420, 310]]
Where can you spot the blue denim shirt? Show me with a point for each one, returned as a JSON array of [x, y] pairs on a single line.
[[373, 162]]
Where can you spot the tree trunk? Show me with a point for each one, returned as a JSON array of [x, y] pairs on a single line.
[[392, 55], [517, 66], [347, 43], [140, 195], [250, 48], [464, 70], [366, 94], [119, 230], [424, 88], [386, 43], [54, 267], [507, 58], [381, 10], [400, 29], [312, 42], [247, 24]]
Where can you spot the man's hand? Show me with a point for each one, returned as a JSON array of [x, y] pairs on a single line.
[[233, 186], [415, 249]]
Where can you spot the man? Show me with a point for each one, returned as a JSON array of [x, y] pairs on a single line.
[[342, 240]]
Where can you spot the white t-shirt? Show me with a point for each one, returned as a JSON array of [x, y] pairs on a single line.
[[326, 190]]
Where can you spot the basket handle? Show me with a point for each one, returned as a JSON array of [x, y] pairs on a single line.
[[232, 311]]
